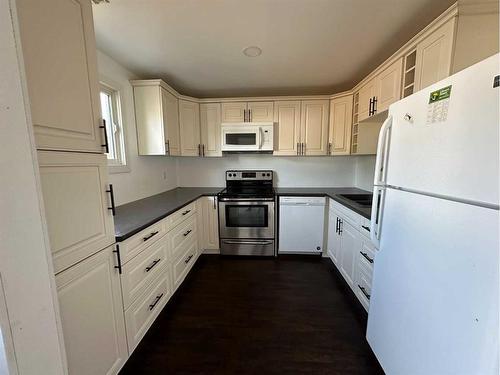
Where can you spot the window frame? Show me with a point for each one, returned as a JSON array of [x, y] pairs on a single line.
[[114, 90]]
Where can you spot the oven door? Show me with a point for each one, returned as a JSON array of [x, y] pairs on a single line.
[[251, 219], [240, 138]]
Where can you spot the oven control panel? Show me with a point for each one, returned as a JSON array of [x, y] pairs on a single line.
[[257, 175]]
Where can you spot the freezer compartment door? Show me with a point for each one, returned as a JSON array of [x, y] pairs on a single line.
[[434, 302], [456, 154]]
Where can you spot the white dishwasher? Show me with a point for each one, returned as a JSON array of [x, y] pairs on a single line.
[[301, 225]]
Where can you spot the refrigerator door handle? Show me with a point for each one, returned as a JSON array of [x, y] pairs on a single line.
[[382, 150], [376, 214]]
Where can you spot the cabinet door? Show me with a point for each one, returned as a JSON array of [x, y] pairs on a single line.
[[209, 224], [210, 123], [366, 93], [59, 53], [314, 126], [287, 125], [189, 117], [261, 111], [170, 112], [234, 112], [339, 135], [389, 86], [76, 205], [334, 238], [349, 250], [149, 120], [92, 315], [434, 56]]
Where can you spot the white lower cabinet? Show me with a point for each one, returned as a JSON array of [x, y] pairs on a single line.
[[92, 319], [351, 250], [208, 224], [142, 313], [351, 244]]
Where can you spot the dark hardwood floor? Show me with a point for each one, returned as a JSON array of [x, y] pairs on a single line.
[[258, 316]]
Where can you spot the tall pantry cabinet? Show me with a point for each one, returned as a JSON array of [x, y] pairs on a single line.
[[58, 46]]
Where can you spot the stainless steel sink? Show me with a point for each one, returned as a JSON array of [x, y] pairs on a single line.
[[364, 200]]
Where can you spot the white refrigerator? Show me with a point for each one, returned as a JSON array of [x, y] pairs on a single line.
[[434, 306]]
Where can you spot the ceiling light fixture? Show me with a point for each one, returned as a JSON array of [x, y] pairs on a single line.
[[252, 51]]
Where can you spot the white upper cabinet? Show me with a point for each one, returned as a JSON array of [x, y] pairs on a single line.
[[59, 53], [389, 86], [77, 202], [260, 111], [157, 120], [314, 127], [92, 320], [339, 133], [287, 125], [234, 112], [210, 125], [366, 95], [247, 111], [189, 119], [170, 113], [434, 56]]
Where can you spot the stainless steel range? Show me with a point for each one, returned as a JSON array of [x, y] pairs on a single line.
[[246, 213]]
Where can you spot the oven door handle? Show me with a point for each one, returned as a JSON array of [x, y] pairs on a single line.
[[248, 242], [246, 199]]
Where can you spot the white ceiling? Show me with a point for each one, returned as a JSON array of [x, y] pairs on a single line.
[[309, 46]]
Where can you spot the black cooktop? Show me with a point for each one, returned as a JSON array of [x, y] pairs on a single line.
[[248, 192]]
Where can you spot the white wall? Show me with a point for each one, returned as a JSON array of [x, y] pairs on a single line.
[[290, 171], [146, 175], [365, 171]]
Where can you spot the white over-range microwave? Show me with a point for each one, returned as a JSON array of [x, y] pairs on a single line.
[[247, 137]]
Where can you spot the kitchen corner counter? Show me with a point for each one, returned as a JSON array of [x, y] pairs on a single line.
[[333, 193], [135, 216]]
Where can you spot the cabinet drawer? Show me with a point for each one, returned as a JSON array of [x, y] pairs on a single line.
[[364, 289], [183, 234], [142, 313], [182, 265], [367, 256], [141, 270], [180, 215], [138, 242]]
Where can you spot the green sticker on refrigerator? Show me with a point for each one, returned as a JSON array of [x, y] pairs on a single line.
[[440, 94]]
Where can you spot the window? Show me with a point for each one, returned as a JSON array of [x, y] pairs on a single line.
[[111, 114]]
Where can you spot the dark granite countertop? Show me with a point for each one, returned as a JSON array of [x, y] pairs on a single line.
[[135, 216], [332, 193]]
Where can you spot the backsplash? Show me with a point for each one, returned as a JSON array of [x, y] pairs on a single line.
[[290, 171]]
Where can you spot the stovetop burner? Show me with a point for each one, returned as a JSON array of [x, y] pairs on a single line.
[[248, 184]]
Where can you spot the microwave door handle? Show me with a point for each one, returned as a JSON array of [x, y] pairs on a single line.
[[261, 138]]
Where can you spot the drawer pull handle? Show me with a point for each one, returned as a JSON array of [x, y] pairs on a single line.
[[186, 212], [155, 262], [365, 228], [363, 290], [158, 298], [366, 257], [188, 259], [150, 235], [185, 234]]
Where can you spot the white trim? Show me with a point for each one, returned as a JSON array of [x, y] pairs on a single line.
[[121, 164]]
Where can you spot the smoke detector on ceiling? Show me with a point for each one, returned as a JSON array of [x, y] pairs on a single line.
[[252, 51]]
